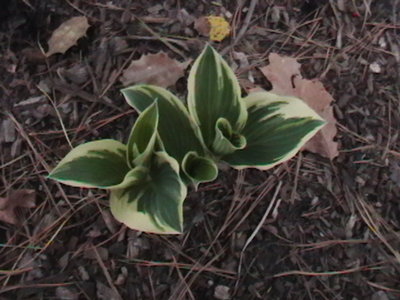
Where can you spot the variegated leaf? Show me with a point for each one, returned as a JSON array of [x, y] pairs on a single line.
[[100, 164], [214, 93], [143, 137], [135, 175], [199, 168], [153, 203], [226, 141], [178, 133], [276, 129]]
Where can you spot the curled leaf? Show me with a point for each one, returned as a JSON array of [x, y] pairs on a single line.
[[226, 141], [199, 168], [143, 137]]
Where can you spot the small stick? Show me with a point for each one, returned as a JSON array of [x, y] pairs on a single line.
[[106, 273], [252, 236], [243, 30], [162, 39]]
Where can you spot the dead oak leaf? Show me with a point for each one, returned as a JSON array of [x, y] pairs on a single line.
[[284, 74], [202, 26], [158, 69], [67, 34], [15, 199]]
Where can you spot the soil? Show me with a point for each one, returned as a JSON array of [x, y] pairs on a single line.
[[334, 232]]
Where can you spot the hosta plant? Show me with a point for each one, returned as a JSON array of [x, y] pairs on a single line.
[[173, 145]]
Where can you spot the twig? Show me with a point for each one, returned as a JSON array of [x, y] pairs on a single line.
[[379, 286], [35, 285], [189, 291], [162, 39], [328, 273], [76, 8], [243, 30], [64, 130], [15, 272], [106, 273], [252, 236], [177, 265], [39, 158], [114, 77], [296, 178], [179, 292]]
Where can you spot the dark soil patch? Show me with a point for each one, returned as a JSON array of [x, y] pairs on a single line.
[[334, 233]]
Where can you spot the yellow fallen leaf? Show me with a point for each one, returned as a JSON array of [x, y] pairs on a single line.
[[67, 34], [220, 28]]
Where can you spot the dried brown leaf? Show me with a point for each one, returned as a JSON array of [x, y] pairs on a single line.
[[202, 26], [17, 198], [284, 74], [67, 34], [158, 69]]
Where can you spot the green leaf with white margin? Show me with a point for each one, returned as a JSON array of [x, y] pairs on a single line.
[[153, 203], [276, 129], [178, 133], [226, 141], [214, 93], [176, 129], [100, 164], [198, 168], [143, 136], [134, 175]]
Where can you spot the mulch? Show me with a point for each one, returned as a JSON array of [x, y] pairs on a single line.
[[332, 227]]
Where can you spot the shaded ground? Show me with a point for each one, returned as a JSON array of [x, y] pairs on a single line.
[[334, 230]]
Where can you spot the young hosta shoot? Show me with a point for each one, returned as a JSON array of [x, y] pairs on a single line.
[[258, 131], [179, 135], [172, 145]]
